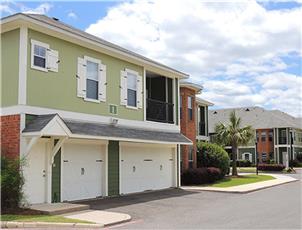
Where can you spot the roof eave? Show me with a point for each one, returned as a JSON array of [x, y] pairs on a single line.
[[145, 60]]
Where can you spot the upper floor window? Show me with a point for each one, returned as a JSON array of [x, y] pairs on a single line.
[[39, 56], [131, 89], [43, 58], [92, 80], [270, 136], [263, 136], [257, 136], [190, 108]]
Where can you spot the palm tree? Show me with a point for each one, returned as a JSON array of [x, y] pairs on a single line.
[[233, 134]]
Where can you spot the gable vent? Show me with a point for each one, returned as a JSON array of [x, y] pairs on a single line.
[[247, 109], [215, 112]]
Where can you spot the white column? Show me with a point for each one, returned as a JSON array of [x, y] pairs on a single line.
[[178, 164]]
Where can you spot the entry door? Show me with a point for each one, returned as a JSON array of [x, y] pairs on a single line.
[[83, 166], [35, 174]]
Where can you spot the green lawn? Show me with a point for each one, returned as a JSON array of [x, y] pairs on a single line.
[[41, 218], [247, 179]]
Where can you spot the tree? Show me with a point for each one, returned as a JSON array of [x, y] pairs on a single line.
[[234, 135]]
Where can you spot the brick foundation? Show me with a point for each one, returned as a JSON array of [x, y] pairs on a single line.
[[10, 135]]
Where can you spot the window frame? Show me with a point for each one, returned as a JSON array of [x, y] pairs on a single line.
[[97, 61], [263, 136], [136, 75], [41, 44], [190, 110], [190, 161]]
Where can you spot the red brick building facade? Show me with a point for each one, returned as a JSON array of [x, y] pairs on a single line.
[[188, 126], [10, 135], [265, 146]]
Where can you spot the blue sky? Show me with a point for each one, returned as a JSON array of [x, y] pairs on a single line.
[[244, 53]]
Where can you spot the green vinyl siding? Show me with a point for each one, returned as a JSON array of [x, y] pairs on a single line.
[[59, 90], [56, 178], [113, 168], [9, 68]]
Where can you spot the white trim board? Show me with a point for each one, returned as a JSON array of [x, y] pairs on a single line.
[[22, 66], [148, 125]]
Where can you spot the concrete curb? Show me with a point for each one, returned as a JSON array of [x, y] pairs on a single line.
[[119, 222], [15, 224], [238, 192]]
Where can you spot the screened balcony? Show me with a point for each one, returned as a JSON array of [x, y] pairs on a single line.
[[160, 103]]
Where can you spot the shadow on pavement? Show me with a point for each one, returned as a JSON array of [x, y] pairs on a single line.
[[113, 202]]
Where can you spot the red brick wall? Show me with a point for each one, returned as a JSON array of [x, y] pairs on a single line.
[[188, 127], [264, 146], [10, 135]]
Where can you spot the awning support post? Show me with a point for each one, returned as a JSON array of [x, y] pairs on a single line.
[[56, 148]]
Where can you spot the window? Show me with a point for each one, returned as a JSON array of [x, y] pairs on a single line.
[[190, 156], [92, 80], [190, 108], [180, 107], [270, 136], [39, 54], [263, 136], [43, 58], [271, 155], [263, 156], [257, 136], [131, 89]]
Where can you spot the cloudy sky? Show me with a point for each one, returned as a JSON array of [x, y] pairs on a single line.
[[245, 53]]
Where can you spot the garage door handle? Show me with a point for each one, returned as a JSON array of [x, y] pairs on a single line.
[[148, 160], [99, 160]]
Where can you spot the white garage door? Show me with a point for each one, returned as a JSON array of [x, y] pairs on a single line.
[[146, 168], [34, 174], [83, 171]]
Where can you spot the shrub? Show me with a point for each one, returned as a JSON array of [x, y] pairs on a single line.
[[12, 181], [212, 155], [294, 163], [271, 167], [214, 174], [299, 157], [242, 163], [200, 176]]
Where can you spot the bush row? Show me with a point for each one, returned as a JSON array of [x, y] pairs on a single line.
[[271, 167], [242, 163], [295, 163], [200, 176]]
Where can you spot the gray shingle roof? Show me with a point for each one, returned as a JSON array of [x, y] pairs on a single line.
[[59, 24], [38, 123], [257, 117], [97, 129]]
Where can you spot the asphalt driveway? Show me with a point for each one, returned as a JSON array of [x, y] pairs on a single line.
[[273, 208]]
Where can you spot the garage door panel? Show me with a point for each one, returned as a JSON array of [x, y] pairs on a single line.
[[83, 166], [152, 170]]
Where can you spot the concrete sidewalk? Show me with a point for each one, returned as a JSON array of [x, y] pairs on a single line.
[[280, 179], [99, 217]]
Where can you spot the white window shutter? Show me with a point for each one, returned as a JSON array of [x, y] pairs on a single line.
[[139, 92], [52, 60], [81, 78], [102, 83], [123, 87]]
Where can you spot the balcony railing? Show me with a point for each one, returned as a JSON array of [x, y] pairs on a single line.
[[159, 111], [202, 129]]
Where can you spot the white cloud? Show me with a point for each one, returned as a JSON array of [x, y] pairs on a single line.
[[227, 46], [6, 9], [41, 9], [72, 15]]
